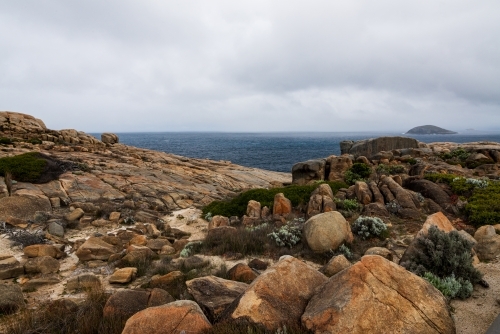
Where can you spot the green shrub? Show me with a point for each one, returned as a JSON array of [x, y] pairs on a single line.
[[412, 161], [191, 248], [5, 141], [458, 184], [367, 227], [390, 169], [458, 154], [359, 171], [443, 255], [288, 235], [483, 207], [238, 205], [449, 286], [27, 167], [35, 141]]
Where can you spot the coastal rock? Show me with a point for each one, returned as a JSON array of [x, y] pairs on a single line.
[[123, 275], [338, 167], [429, 130], [10, 267], [42, 265], [327, 231], [335, 265], [277, 296], [242, 273], [363, 192], [22, 207], [109, 138], [83, 281], [488, 243], [430, 190], [370, 147], [95, 249], [282, 206], [11, 299], [377, 296], [308, 171], [214, 294], [183, 316]]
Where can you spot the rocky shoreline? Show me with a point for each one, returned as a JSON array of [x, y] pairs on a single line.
[[127, 221]]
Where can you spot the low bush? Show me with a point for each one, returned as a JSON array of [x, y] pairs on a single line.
[[27, 167], [390, 169], [288, 235], [238, 205], [367, 227], [443, 255], [245, 241], [483, 207], [359, 171], [24, 238], [458, 154], [61, 318], [239, 327], [191, 248], [449, 286], [5, 141]]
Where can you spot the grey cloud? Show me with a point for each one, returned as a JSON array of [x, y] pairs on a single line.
[[251, 66]]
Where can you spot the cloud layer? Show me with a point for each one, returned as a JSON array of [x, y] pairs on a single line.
[[252, 66]]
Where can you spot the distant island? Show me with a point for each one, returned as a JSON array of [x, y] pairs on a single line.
[[430, 130]]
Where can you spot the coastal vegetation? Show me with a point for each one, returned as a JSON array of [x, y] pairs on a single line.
[[27, 167], [237, 206]]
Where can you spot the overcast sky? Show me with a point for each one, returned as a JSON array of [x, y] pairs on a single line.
[[102, 65]]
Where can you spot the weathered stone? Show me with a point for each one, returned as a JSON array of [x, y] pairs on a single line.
[[95, 249], [258, 264], [327, 231], [380, 251], [401, 195], [109, 138], [335, 265], [172, 282], [39, 282], [10, 268], [338, 167], [308, 171], [254, 209], [377, 296], [56, 229], [83, 281], [377, 195], [277, 296], [114, 216], [124, 303], [123, 275], [183, 316], [42, 265], [218, 221], [282, 205], [363, 192], [22, 207], [11, 299], [75, 214], [370, 147], [375, 210], [214, 294], [43, 250], [430, 190], [488, 243], [439, 220], [242, 273], [159, 297], [157, 244]]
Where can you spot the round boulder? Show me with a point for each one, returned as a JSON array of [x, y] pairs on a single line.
[[327, 231]]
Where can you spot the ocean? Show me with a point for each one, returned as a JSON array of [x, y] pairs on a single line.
[[271, 151]]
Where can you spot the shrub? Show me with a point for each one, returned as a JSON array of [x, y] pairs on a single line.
[[458, 184], [483, 207], [348, 204], [238, 205], [191, 249], [5, 141], [443, 255], [27, 167], [246, 241], [412, 161], [344, 250], [24, 238], [367, 227], [288, 235], [390, 169], [458, 154], [238, 327], [359, 171], [35, 141], [449, 286]]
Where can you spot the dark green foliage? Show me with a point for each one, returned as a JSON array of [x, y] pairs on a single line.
[[245, 241], [483, 207], [458, 184], [34, 141], [27, 167], [412, 161], [443, 255], [359, 171], [459, 155], [449, 286], [5, 141], [238, 205], [390, 169]]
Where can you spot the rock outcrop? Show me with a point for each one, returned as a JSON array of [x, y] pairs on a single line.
[[377, 296], [370, 147]]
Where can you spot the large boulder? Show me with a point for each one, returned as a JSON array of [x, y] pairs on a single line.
[[363, 192], [402, 196], [338, 166], [370, 147], [95, 248], [277, 296], [11, 299], [10, 267], [327, 231], [177, 317], [214, 294], [109, 138], [22, 207], [430, 190], [242, 273], [43, 250], [335, 265], [282, 206], [488, 243], [308, 171], [42, 265], [377, 296]]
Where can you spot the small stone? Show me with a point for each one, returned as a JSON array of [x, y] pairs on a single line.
[[123, 275], [56, 229]]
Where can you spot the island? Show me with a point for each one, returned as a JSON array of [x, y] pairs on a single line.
[[430, 130]]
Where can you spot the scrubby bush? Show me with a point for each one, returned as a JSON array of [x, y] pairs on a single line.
[[288, 235], [367, 227], [449, 286], [5, 141], [458, 184], [245, 241], [238, 205], [23, 238], [359, 171], [458, 154], [390, 169], [443, 255], [191, 248], [27, 167], [351, 205], [344, 250], [483, 207]]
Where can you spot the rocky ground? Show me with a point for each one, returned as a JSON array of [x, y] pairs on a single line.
[[120, 217]]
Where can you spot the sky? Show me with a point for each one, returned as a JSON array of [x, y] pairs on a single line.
[[252, 66]]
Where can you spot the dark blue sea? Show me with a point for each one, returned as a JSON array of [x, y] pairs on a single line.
[[271, 151]]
